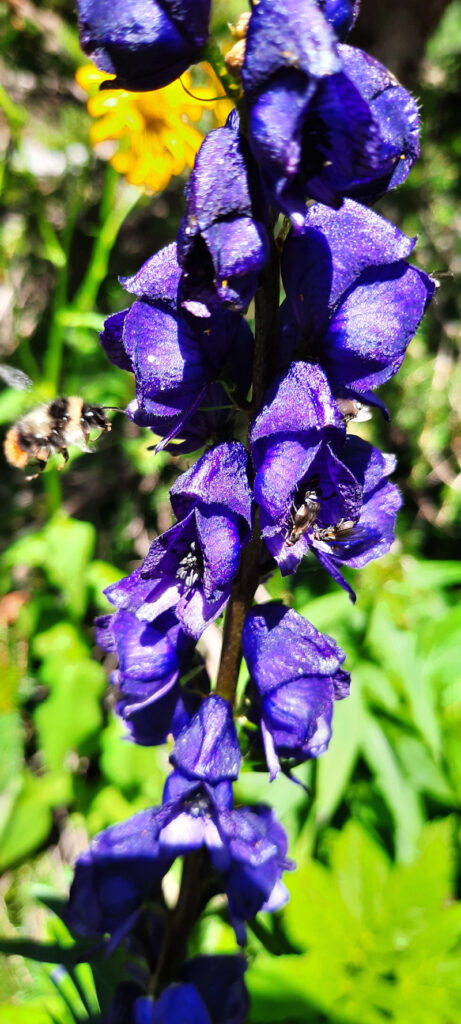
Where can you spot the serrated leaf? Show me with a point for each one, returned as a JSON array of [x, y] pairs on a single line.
[[382, 942], [362, 870]]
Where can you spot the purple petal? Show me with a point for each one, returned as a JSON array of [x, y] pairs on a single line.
[[281, 646], [369, 334], [334, 249], [158, 279], [176, 1003], [300, 400], [113, 341], [218, 478], [208, 748], [146, 46], [290, 35]]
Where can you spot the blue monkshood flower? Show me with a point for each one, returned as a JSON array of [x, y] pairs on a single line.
[[124, 864], [353, 302], [213, 986], [152, 703], [122, 867], [174, 353], [212, 423], [297, 676], [317, 130], [145, 43], [191, 567], [220, 982], [341, 14], [222, 241], [395, 111], [310, 129], [316, 488], [176, 1003]]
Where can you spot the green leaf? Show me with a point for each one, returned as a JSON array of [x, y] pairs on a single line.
[[30, 820], [70, 545], [11, 748], [98, 576], [334, 768], [431, 575], [278, 992], [362, 871], [382, 941], [47, 952], [403, 802], [134, 769], [62, 549], [36, 1012], [397, 651], [72, 713], [425, 775]]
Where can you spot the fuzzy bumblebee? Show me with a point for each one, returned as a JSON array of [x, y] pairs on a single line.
[[52, 428]]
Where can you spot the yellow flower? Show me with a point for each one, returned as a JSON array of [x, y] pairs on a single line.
[[154, 133]]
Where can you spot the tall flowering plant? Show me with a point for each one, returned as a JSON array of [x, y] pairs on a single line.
[[283, 191]]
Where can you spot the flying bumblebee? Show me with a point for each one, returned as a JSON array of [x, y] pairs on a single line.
[[52, 428]]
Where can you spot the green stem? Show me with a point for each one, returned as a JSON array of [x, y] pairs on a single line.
[[114, 210], [213, 55], [53, 489], [55, 340]]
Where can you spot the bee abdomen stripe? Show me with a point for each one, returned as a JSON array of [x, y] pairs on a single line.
[[14, 452]]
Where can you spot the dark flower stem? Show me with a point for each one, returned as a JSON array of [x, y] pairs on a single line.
[[191, 894], [246, 582], [182, 919]]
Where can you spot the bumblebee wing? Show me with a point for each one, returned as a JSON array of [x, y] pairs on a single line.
[[15, 378]]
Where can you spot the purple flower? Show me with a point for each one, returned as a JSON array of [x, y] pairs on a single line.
[[316, 489], [311, 130], [353, 302], [222, 242], [297, 676], [124, 864], [246, 846], [146, 44], [341, 14], [191, 567], [395, 111], [152, 703], [176, 1003], [212, 990], [220, 982], [174, 353], [122, 868]]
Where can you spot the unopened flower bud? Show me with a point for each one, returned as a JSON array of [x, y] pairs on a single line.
[[235, 57]]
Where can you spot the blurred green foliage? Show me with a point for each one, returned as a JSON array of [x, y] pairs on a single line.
[[373, 929]]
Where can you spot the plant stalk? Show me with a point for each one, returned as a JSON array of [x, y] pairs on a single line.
[[246, 582]]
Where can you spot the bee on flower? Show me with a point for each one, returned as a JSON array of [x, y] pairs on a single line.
[[155, 135]]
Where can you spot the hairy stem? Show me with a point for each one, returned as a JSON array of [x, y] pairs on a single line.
[[246, 582]]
